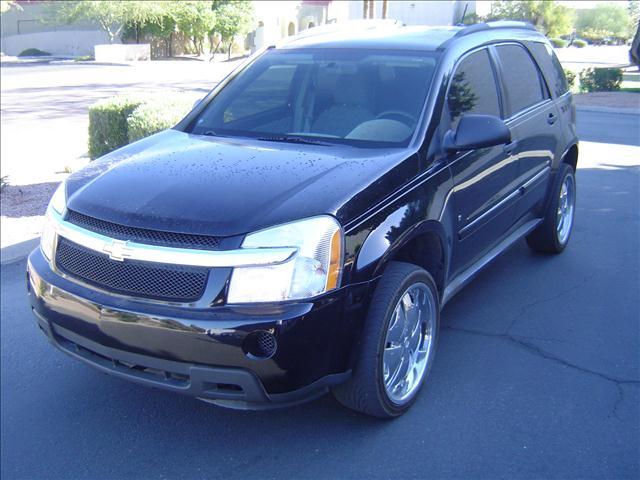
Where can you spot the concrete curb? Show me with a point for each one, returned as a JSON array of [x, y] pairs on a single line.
[[17, 252], [619, 110]]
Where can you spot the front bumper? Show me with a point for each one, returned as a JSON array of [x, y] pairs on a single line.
[[202, 351]]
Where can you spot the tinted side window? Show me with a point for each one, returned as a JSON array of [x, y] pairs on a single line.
[[521, 78], [269, 91], [561, 80], [548, 61], [473, 88]]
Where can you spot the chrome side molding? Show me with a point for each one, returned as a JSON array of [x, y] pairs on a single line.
[[120, 250]]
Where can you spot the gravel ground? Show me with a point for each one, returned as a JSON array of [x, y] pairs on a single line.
[[22, 208]]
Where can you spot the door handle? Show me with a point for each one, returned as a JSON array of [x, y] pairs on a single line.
[[551, 119], [510, 147]]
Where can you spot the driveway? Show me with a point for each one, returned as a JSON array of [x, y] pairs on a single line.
[[537, 376]]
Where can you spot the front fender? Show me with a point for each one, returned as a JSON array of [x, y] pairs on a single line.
[[423, 208]]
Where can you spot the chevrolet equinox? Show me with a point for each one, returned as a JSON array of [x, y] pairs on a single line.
[[301, 228]]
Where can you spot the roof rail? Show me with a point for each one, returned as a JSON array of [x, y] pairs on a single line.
[[480, 27]]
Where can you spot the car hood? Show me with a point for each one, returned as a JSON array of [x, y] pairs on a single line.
[[185, 183]]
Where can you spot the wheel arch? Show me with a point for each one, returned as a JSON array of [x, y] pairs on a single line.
[[570, 157], [423, 245]]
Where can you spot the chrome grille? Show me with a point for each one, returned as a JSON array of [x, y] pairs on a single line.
[[140, 279]]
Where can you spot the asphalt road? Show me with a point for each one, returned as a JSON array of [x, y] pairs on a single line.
[[537, 376]]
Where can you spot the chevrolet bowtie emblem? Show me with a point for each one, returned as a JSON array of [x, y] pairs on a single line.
[[117, 250]]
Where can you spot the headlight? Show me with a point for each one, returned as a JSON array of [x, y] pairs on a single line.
[[58, 203], [314, 269]]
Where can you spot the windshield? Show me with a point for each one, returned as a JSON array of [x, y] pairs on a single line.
[[354, 96]]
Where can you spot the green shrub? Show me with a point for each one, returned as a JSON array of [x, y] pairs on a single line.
[[558, 42], [33, 52], [600, 79], [571, 78], [156, 115], [579, 43], [108, 124]]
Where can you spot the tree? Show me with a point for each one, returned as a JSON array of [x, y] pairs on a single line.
[[194, 19], [547, 16], [232, 18], [6, 5], [111, 16], [603, 22], [634, 12], [161, 25], [148, 17]]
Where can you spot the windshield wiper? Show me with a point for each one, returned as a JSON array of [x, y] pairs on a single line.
[[211, 133], [293, 139]]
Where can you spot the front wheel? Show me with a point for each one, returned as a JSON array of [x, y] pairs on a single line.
[[552, 236], [397, 345]]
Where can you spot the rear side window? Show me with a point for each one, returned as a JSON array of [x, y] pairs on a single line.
[[473, 88], [521, 78], [558, 71], [553, 71]]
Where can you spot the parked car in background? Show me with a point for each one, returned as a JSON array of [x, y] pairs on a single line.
[[300, 230]]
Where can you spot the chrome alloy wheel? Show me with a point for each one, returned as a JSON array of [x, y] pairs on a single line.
[[409, 343], [566, 207]]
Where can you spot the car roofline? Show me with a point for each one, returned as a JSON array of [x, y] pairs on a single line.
[[397, 34]]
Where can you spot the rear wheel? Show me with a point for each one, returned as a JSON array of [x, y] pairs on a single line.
[[552, 236], [397, 346]]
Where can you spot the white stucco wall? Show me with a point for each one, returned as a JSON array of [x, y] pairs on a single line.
[[130, 52], [73, 43]]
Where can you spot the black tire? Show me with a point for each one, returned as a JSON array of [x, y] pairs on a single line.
[[545, 238], [365, 391]]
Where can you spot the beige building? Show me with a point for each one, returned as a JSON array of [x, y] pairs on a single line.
[[278, 19]]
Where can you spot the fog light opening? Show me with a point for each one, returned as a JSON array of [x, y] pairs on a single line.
[[260, 345]]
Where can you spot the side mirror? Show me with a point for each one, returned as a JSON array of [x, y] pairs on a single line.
[[476, 131]]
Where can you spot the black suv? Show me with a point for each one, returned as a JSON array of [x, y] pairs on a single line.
[[302, 227]]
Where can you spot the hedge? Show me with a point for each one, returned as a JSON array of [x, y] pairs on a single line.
[[156, 115], [33, 52], [108, 124], [558, 42], [579, 43], [600, 79], [117, 121]]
